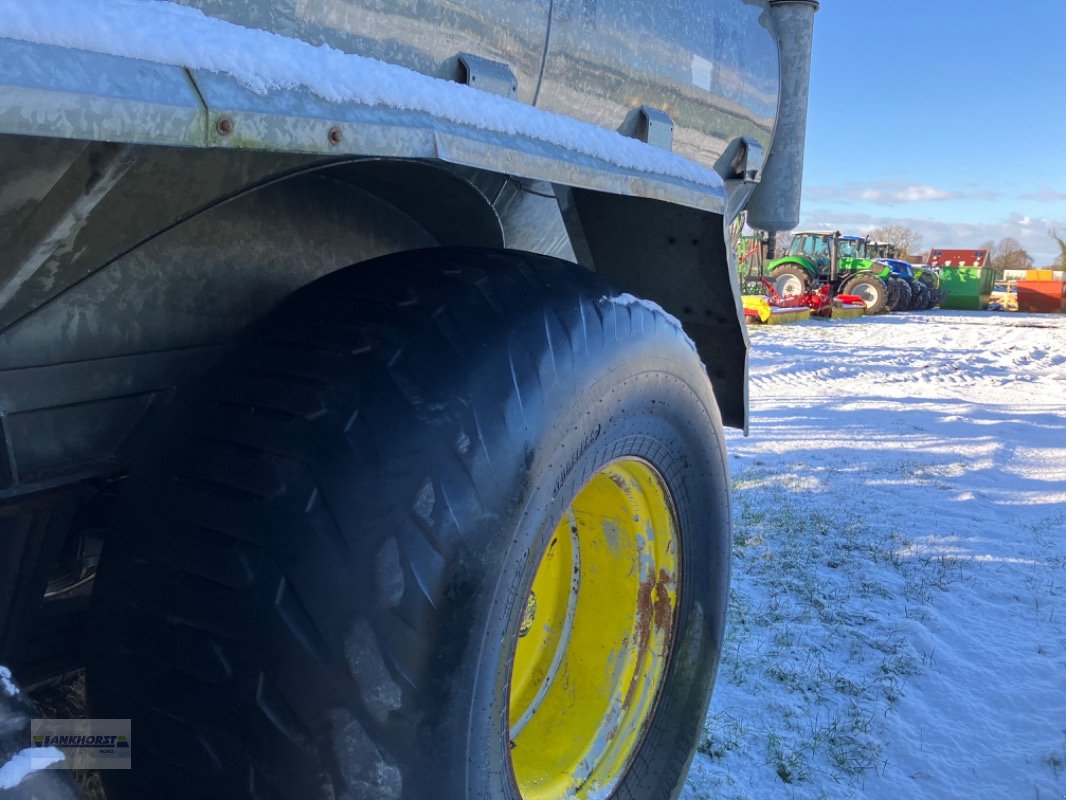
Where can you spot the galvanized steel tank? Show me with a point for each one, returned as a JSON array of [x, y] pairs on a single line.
[[711, 66]]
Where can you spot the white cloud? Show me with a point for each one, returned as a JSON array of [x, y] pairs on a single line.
[[905, 194], [891, 193], [1045, 194]]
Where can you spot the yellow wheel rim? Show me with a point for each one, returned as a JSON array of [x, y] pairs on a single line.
[[594, 637]]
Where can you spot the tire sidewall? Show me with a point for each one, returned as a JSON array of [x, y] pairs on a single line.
[[792, 270], [848, 287], [641, 409]]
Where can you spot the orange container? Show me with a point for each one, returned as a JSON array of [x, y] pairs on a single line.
[[1039, 275], [1046, 297]]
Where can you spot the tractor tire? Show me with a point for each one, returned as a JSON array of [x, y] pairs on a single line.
[[905, 295], [920, 297], [892, 296], [870, 288], [446, 525], [790, 279]]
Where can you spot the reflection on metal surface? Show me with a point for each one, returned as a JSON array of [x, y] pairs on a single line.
[[424, 35], [62, 92], [712, 66], [229, 115], [775, 205], [37, 250], [709, 67]]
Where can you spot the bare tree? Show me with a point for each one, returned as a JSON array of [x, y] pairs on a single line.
[[1060, 262], [992, 246], [1009, 254], [906, 240]]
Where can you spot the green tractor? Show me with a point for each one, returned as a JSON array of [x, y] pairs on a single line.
[[930, 278], [819, 257]]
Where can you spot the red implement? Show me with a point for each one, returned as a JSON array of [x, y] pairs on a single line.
[[820, 301]]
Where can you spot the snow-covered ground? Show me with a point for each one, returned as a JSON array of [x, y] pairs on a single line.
[[898, 619]]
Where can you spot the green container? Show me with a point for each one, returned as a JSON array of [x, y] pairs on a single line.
[[967, 288]]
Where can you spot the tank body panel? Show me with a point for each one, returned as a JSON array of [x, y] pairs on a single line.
[[424, 35], [713, 67]]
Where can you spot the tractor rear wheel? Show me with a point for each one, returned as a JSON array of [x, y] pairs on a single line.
[[918, 296], [448, 525], [892, 294], [870, 288], [790, 280], [905, 295]]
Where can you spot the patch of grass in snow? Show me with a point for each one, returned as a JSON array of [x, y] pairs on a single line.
[[66, 700], [937, 476], [1047, 536], [1051, 523], [788, 761], [820, 587], [726, 737], [932, 574], [845, 740]]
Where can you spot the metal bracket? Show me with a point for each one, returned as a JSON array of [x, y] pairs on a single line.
[[742, 161], [488, 76], [656, 128], [740, 166]]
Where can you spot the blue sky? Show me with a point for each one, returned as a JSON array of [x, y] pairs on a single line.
[[948, 116]]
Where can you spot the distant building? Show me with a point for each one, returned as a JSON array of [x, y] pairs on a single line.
[[958, 258]]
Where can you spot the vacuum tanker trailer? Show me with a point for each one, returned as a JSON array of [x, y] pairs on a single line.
[[363, 373]]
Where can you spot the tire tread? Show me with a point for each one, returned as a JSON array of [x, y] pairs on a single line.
[[236, 482]]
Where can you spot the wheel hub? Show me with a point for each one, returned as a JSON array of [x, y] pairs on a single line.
[[595, 637], [788, 286], [866, 291]]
